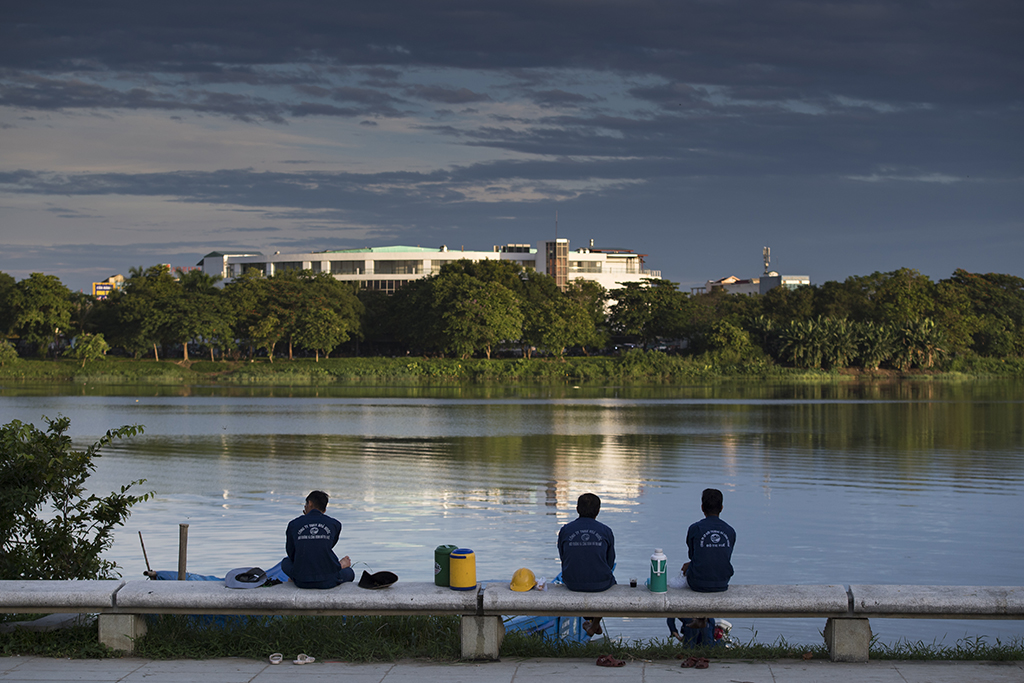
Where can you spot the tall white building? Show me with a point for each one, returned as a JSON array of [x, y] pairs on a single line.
[[388, 268]]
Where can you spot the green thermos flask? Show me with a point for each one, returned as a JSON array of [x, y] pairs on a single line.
[[659, 572]]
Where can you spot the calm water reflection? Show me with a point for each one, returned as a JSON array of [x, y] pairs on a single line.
[[891, 483]]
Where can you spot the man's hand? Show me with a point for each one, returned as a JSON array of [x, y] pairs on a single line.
[[345, 562], [686, 565]]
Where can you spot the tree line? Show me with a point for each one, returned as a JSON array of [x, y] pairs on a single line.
[[900, 319]]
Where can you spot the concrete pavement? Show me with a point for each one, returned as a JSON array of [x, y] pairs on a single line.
[[232, 670]]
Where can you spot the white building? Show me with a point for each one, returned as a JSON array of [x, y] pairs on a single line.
[[772, 280], [769, 280], [733, 285], [388, 268]]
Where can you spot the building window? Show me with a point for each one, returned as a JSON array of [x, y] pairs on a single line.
[[348, 267], [314, 266], [398, 267], [282, 266], [386, 286], [629, 266], [437, 264], [261, 267], [584, 266]]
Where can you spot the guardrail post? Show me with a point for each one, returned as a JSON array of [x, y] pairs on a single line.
[[119, 631], [848, 639], [481, 637]]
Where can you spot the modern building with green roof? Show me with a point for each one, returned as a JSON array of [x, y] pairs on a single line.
[[388, 268]]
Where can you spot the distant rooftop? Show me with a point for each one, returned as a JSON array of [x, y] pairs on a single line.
[[383, 250]]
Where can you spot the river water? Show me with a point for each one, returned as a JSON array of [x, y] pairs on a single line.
[[915, 483]]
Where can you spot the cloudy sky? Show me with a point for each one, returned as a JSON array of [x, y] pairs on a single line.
[[849, 136]]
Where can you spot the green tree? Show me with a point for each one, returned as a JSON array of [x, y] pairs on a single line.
[[648, 310], [556, 325], [474, 315], [198, 314], [320, 329], [284, 296], [265, 333], [783, 305], [7, 289], [729, 342], [904, 295], [83, 310], [594, 300], [8, 354], [876, 343], [247, 298], [41, 310], [803, 343], [840, 343], [88, 347], [49, 527], [918, 343], [146, 310]]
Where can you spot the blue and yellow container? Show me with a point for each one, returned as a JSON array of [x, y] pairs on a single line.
[[462, 570]]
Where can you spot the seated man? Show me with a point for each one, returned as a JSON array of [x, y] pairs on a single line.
[[709, 543], [587, 550], [309, 544]]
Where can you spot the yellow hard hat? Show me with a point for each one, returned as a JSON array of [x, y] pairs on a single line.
[[523, 580]]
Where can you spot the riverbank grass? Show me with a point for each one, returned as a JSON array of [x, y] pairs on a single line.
[[388, 639]]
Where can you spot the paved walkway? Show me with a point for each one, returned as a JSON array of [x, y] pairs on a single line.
[[232, 670]]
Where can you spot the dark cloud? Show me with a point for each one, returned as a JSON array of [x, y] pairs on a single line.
[[35, 92], [561, 98], [896, 51], [690, 124], [445, 95]]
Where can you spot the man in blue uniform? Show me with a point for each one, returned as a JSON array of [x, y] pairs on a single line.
[[309, 544], [709, 543], [587, 550]]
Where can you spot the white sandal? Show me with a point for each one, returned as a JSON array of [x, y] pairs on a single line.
[[276, 658], [304, 659]]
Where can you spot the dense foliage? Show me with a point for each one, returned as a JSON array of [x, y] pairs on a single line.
[[900, 320], [49, 527]]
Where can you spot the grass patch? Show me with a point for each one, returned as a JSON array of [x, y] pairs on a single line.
[[648, 368], [76, 642], [388, 639], [351, 639], [974, 648]]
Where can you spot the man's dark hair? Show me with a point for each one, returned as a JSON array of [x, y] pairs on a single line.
[[318, 499], [588, 505], [711, 501]]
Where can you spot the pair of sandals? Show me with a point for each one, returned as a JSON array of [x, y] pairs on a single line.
[[608, 660], [277, 658], [696, 663]]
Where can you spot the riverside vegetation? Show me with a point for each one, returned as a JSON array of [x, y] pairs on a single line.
[[438, 327], [386, 639]]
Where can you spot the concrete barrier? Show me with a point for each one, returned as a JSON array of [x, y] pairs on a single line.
[[623, 601], [122, 605], [58, 596]]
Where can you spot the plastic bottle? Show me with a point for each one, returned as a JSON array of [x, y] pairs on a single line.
[[659, 572]]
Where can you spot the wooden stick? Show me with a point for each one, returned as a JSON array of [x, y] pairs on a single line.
[[148, 568], [182, 550]]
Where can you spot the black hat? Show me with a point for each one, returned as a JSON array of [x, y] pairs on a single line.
[[245, 577], [378, 580]]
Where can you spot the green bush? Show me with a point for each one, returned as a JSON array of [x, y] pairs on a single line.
[[49, 528]]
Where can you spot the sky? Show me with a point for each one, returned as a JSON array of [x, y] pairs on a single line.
[[850, 137]]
